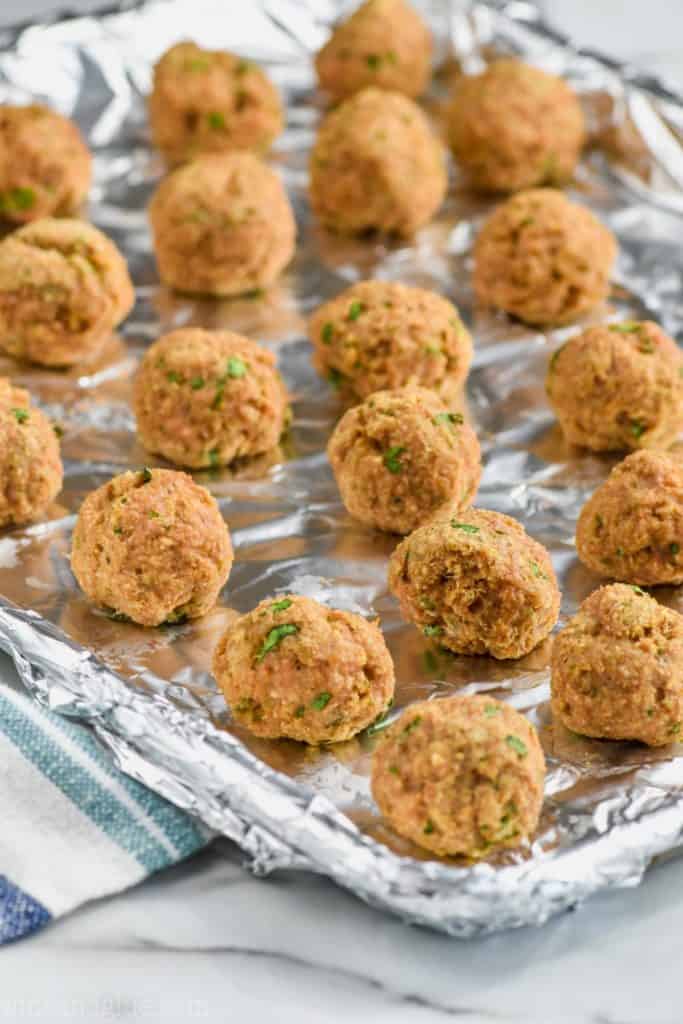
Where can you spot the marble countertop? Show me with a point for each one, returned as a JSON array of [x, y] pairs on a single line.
[[206, 941]]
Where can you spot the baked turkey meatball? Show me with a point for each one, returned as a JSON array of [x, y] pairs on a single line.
[[30, 464], [460, 776], [400, 456], [543, 258], [617, 668], [376, 164], [211, 101], [514, 126], [205, 398], [632, 527], [477, 583], [384, 43], [618, 386], [45, 166], [151, 546], [222, 225], [377, 335], [64, 287], [297, 669]]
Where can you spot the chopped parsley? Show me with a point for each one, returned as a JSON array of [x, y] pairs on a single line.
[[196, 383], [391, 458], [321, 701], [281, 606], [216, 120], [516, 744], [674, 549], [412, 725], [429, 827], [373, 61], [275, 637], [236, 368], [393, 768], [639, 591], [626, 327], [465, 527], [537, 571], [432, 630], [327, 333], [637, 428], [335, 379], [17, 199], [20, 415], [146, 475], [450, 419], [175, 378], [300, 711], [355, 310], [490, 710]]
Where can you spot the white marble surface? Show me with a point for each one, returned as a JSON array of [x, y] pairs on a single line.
[[205, 941]]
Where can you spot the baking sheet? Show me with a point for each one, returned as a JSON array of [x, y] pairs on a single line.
[[609, 807]]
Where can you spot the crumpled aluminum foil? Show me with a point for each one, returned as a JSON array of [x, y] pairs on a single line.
[[610, 808]]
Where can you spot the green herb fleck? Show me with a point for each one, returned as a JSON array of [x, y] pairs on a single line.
[[281, 606], [355, 310], [637, 428], [537, 571], [412, 725], [216, 120], [213, 458], [118, 529], [196, 383], [236, 368], [59, 432], [626, 327], [393, 768], [153, 514], [275, 637], [432, 630], [17, 199], [429, 827], [300, 711], [450, 419], [373, 61], [490, 710], [146, 475], [619, 552], [555, 356], [639, 591], [674, 549], [391, 459], [465, 527], [675, 729], [335, 379], [20, 415], [321, 701], [516, 744], [327, 333]]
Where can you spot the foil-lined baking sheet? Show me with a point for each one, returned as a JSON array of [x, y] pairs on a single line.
[[610, 808]]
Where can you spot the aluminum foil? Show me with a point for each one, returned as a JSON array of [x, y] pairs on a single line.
[[610, 808]]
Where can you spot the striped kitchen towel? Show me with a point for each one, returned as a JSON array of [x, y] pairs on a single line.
[[72, 827]]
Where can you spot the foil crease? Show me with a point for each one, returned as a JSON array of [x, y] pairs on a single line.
[[610, 808]]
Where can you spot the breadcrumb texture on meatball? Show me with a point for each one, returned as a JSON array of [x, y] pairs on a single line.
[[460, 776], [30, 464], [64, 287], [222, 225], [45, 166], [543, 258], [293, 668], [211, 101], [206, 398], [617, 387], [377, 164], [378, 335], [632, 527], [617, 668], [476, 583], [384, 43], [400, 456], [151, 546], [514, 126]]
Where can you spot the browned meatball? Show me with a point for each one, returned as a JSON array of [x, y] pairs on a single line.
[[461, 776], [30, 464], [294, 668], [45, 166], [64, 287], [222, 225], [617, 668], [384, 43], [477, 583], [632, 527], [151, 546], [211, 101], [514, 126], [376, 164], [400, 456], [618, 386], [543, 259], [206, 398], [378, 335]]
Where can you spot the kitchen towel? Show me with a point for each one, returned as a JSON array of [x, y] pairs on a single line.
[[72, 826]]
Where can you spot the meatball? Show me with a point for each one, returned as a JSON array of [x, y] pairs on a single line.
[[400, 456], [632, 527], [460, 776], [205, 398], [210, 101], [376, 164], [45, 166], [64, 287], [543, 259], [30, 464], [618, 386], [514, 126], [296, 669], [384, 43], [222, 225], [617, 668], [379, 335], [477, 583], [151, 546]]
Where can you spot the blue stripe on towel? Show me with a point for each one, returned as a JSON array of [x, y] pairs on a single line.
[[174, 823], [92, 799], [20, 914]]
